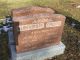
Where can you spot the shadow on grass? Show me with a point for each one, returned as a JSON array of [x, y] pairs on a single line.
[[73, 23], [70, 21], [4, 47]]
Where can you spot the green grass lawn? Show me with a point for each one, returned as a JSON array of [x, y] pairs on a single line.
[[62, 6]]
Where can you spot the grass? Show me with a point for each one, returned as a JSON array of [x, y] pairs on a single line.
[[63, 6]]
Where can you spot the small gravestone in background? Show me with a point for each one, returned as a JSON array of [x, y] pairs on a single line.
[[37, 33]]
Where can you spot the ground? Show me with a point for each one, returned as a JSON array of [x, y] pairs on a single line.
[[71, 36]]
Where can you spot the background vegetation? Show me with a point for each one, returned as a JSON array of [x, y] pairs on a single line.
[[66, 7]]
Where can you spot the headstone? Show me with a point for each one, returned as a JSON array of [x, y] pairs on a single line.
[[37, 33]]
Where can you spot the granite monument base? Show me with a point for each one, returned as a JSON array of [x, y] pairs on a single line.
[[42, 54]]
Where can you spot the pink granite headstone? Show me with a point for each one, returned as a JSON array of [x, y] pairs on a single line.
[[36, 28]]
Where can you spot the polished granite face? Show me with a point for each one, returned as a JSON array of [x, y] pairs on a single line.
[[36, 28]]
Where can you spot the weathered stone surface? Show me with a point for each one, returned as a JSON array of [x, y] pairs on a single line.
[[31, 10], [37, 30], [42, 54]]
